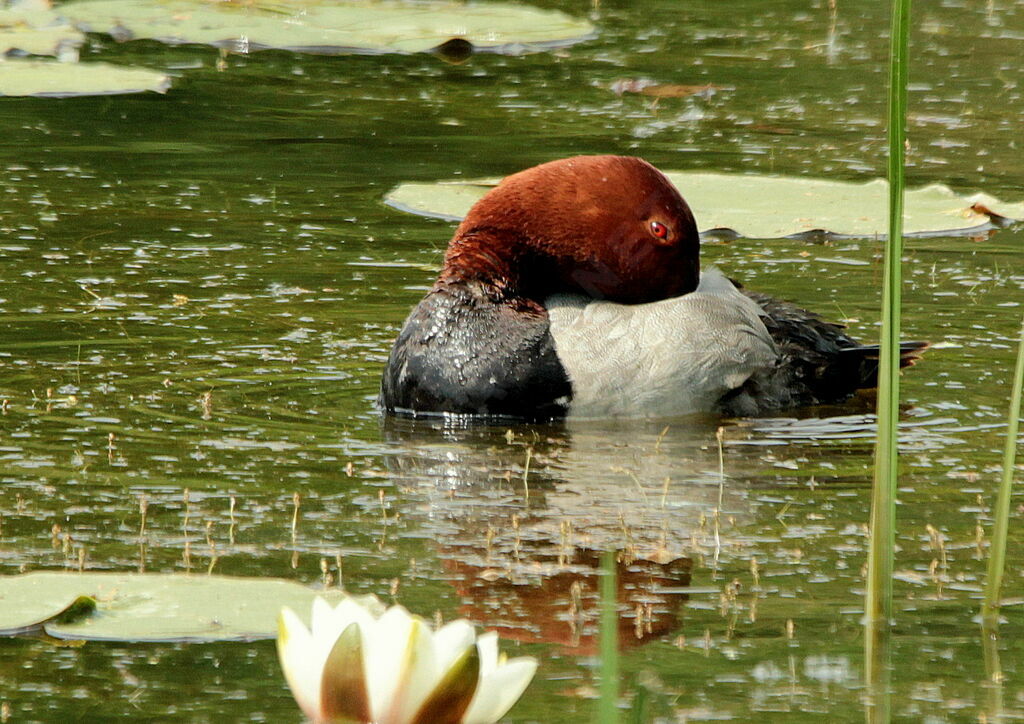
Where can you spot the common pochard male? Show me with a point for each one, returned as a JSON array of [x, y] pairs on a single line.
[[575, 288]]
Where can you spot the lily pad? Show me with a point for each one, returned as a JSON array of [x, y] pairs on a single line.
[[62, 80], [316, 26], [149, 606], [767, 207], [29, 14], [23, 611], [35, 29], [39, 41]]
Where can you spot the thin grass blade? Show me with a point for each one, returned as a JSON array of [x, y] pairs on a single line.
[[1001, 514], [878, 606], [608, 706]]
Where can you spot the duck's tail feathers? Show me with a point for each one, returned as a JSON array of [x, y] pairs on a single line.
[[910, 352], [868, 358]]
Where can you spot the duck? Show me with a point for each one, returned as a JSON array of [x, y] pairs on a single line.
[[575, 289]]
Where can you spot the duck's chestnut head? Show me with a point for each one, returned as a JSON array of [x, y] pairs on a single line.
[[611, 227]]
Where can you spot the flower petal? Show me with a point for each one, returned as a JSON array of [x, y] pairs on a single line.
[[343, 695], [347, 612], [488, 645], [451, 697], [400, 666], [500, 689], [320, 621], [451, 642], [295, 649], [384, 648]]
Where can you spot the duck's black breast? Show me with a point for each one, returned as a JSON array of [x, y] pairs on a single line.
[[461, 352]]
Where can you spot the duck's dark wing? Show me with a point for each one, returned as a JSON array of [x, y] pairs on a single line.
[[818, 363], [460, 352]]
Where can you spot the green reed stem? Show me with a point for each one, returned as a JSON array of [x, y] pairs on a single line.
[[878, 679], [993, 668], [997, 549], [608, 706], [878, 606]]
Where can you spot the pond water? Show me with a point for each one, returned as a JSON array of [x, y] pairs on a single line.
[[199, 291]]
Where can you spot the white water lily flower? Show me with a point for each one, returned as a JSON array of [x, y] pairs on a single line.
[[361, 663]]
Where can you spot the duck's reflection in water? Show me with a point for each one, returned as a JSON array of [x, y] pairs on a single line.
[[520, 515], [559, 602]]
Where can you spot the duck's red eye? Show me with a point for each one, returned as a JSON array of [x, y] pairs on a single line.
[[659, 230]]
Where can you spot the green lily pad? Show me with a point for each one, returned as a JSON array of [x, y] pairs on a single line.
[[21, 613], [317, 26], [39, 41], [62, 80], [29, 14], [35, 29], [767, 207], [150, 606]]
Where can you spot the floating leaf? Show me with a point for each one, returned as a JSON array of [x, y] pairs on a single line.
[[448, 200], [29, 14], [309, 26], [767, 207], [62, 80], [21, 612], [39, 41], [35, 29], [149, 606]]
